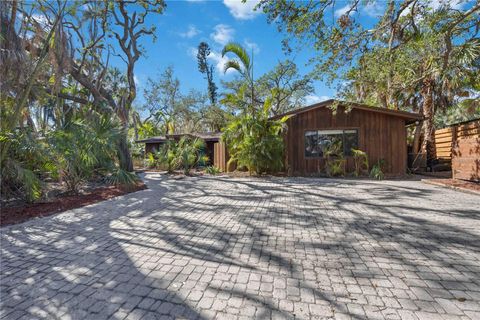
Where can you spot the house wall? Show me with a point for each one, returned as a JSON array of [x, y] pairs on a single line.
[[381, 136], [152, 147]]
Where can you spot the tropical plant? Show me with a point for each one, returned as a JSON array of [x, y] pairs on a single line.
[[243, 64], [23, 165], [255, 141], [377, 170], [123, 179], [213, 170], [188, 153], [360, 159], [334, 160], [84, 148], [151, 160], [167, 156]]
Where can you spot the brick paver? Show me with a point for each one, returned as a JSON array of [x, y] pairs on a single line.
[[280, 248]]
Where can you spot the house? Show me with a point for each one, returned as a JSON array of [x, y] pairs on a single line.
[[214, 148], [379, 132]]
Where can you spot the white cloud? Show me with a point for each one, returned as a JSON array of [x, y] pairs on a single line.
[[436, 5], [41, 19], [452, 4], [250, 45], [219, 62], [242, 11], [313, 98], [340, 12], [214, 56], [190, 33], [222, 34], [374, 9], [138, 83], [192, 52]]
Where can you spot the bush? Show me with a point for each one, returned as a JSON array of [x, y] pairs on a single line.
[[377, 170], [255, 141], [334, 160], [124, 179], [212, 170], [361, 162], [183, 154], [83, 149], [23, 162], [188, 153]]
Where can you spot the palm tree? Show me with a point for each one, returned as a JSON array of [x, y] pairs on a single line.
[[243, 64]]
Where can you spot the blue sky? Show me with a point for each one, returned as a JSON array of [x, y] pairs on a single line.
[[186, 23]]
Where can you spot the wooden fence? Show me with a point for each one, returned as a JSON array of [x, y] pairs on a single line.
[[446, 137], [460, 145], [220, 156], [466, 151]]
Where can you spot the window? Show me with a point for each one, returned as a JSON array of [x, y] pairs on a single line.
[[316, 141]]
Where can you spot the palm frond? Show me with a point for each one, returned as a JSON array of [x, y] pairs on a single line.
[[232, 64], [240, 53]]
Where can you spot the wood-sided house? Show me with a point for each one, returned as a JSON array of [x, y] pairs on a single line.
[[214, 148], [379, 132]]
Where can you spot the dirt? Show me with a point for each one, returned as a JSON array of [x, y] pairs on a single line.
[[22, 213], [456, 183]]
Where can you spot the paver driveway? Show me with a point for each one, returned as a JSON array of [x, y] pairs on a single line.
[[217, 247]]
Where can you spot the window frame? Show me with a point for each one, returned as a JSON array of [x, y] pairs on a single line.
[[343, 129]]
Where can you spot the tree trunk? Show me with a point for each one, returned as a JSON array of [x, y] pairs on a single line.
[[416, 138], [428, 114], [124, 154]]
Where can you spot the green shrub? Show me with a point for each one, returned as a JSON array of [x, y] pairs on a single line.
[[183, 154], [25, 161], [167, 156], [84, 148], [360, 159], [213, 170], [122, 178], [377, 170], [151, 161], [188, 153], [254, 141], [334, 160]]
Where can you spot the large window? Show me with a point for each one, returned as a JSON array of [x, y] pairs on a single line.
[[317, 141]]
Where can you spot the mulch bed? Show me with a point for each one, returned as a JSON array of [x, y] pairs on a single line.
[[18, 214], [456, 184]]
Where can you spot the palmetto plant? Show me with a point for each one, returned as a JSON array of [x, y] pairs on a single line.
[[188, 153], [167, 156], [25, 161], [84, 147]]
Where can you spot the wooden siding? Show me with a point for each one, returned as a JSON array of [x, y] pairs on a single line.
[[465, 151], [446, 137], [443, 143], [220, 156], [381, 136]]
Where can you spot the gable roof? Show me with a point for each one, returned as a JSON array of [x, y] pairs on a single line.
[[408, 116]]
